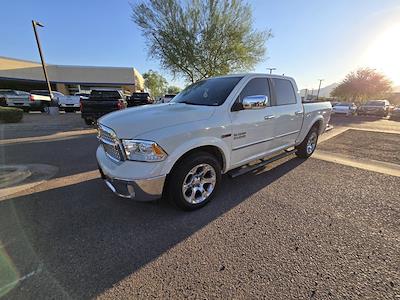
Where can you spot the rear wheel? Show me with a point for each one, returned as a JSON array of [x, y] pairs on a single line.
[[44, 106], [307, 147], [194, 181]]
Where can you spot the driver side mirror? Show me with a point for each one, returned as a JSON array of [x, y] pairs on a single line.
[[255, 102]]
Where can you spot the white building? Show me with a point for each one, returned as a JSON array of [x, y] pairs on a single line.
[[28, 75]]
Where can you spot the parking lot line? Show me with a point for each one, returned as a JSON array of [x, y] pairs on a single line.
[[374, 130], [55, 183], [15, 282], [365, 164], [55, 136]]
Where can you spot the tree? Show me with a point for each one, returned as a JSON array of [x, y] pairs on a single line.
[[362, 85], [197, 39], [155, 82], [172, 89]]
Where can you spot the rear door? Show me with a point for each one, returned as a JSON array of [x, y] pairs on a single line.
[[288, 112], [252, 129]]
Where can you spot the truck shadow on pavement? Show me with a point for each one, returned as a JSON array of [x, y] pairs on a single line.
[[87, 240]]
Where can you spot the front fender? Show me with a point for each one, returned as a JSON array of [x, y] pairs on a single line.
[[191, 144]]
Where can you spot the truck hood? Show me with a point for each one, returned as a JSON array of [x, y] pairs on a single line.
[[131, 122]]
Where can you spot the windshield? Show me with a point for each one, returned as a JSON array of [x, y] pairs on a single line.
[[376, 103], [211, 92], [7, 92], [106, 95], [140, 95], [343, 104]]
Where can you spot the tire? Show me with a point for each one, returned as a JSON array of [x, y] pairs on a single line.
[[44, 106], [88, 122], [309, 144], [193, 181]]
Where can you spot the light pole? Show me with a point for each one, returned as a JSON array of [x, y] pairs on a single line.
[[271, 69], [319, 87], [34, 24]]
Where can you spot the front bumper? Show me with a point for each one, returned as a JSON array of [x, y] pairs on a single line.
[[17, 105], [140, 189], [69, 106]]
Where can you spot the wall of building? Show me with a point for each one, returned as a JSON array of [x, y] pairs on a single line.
[[60, 87], [67, 78]]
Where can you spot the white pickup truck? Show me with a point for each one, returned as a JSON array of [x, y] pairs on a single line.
[[230, 124]]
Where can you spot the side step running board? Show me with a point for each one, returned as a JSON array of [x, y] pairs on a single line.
[[246, 169]]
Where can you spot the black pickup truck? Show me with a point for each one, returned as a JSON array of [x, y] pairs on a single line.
[[137, 99], [101, 102]]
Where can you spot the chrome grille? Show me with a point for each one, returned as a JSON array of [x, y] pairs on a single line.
[[110, 142]]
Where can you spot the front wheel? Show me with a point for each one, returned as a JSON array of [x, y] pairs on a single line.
[[307, 147], [194, 181]]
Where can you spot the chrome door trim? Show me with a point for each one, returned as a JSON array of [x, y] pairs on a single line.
[[269, 117], [286, 134], [252, 144]]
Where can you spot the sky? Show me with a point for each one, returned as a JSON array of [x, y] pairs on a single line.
[[314, 39]]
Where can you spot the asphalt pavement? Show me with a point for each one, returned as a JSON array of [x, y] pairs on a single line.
[[372, 145], [299, 229]]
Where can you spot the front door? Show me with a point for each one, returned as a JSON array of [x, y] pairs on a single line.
[[252, 129]]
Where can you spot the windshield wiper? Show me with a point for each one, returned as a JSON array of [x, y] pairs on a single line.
[[201, 104]]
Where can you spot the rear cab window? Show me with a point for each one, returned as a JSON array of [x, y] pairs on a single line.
[[284, 91], [140, 95]]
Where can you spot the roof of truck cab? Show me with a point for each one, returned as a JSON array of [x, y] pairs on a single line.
[[254, 74]]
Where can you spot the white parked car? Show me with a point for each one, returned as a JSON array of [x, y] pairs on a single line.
[[66, 102], [345, 108], [215, 126], [40, 99], [15, 98]]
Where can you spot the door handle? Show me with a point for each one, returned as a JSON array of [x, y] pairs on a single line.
[[269, 117], [299, 112]]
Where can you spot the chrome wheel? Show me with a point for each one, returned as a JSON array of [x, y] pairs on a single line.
[[312, 142], [199, 183]]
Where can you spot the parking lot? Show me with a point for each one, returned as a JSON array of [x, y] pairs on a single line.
[[323, 228]]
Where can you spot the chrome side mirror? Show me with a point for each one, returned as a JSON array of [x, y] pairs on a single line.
[[255, 102]]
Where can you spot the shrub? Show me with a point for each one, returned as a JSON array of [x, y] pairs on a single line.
[[11, 114]]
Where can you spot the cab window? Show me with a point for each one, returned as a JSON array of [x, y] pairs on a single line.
[[284, 91], [256, 86]]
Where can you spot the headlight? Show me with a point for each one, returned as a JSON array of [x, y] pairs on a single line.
[[143, 150]]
